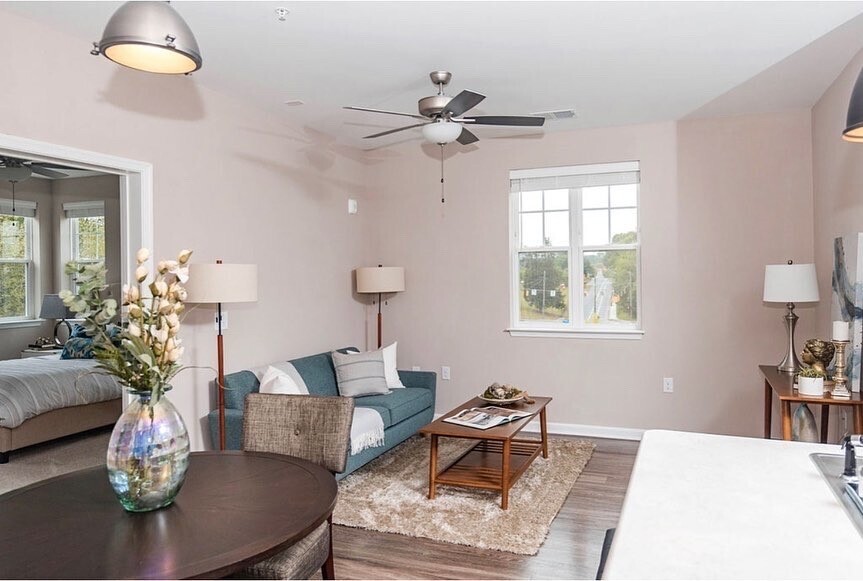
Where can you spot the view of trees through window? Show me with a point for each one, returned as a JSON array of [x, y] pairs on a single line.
[[88, 239], [14, 265], [606, 250]]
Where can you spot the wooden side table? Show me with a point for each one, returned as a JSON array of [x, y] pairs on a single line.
[[782, 384]]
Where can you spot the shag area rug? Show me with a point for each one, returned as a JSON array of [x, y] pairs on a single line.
[[390, 495]]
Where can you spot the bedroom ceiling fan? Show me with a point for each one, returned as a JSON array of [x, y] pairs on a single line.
[[443, 119], [14, 169]]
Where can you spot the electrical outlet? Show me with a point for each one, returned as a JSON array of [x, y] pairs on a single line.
[[444, 372], [224, 321], [667, 385], [415, 368]]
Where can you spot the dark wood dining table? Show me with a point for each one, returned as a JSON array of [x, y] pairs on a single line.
[[235, 509]]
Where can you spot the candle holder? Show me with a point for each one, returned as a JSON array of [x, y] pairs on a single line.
[[840, 389]]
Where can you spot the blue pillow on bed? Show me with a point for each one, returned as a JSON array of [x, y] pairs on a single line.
[[78, 348]]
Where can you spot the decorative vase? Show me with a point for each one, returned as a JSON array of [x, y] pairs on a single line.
[[803, 427], [148, 454], [811, 386]]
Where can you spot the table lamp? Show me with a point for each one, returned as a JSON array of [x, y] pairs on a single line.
[[790, 283], [222, 283], [53, 308], [379, 280]]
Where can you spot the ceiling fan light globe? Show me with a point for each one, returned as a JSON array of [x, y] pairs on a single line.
[[442, 132]]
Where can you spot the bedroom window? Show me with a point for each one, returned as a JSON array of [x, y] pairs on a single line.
[[86, 223], [17, 284], [575, 250]]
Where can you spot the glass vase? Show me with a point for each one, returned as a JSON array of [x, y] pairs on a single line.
[[148, 454]]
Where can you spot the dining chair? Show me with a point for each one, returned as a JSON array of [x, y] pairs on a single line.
[[314, 428]]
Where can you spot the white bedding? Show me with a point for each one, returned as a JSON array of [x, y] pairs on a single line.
[[33, 386]]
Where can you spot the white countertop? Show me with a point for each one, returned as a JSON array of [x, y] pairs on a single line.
[[701, 506]]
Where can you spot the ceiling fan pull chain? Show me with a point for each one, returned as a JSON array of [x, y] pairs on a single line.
[[13, 196], [442, 200]]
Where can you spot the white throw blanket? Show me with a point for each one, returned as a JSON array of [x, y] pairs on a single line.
[[367, 430]]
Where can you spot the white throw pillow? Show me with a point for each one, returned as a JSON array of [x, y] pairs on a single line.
[[391, 367], [277, 381]]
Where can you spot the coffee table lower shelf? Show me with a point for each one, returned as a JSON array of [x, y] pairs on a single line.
[[484, 465]]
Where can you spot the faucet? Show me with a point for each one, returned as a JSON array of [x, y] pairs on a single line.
[[849, 443]]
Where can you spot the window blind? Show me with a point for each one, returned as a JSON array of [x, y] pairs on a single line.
[[24, 208], [577, 176], [84, 209]]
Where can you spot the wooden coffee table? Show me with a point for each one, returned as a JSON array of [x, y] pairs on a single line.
[[498, 458]]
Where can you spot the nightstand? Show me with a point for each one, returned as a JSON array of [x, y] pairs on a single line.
[[39, 352]]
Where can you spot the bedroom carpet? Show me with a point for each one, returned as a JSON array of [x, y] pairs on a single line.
[[54, 458], [390, 495]]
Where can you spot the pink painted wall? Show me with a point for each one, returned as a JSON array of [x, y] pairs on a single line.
[[719, 200], [837, 168], [230, 183]]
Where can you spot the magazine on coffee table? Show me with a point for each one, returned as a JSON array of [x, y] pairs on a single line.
[[486, 417]]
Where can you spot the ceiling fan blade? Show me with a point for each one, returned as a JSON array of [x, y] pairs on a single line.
[[386, 112], [382, 133], [48, 173], [466, 137], [504, 120], [462, 102]]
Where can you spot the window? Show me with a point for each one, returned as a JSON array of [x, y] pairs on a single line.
[[17, 286], [86, 223], [575, 249]]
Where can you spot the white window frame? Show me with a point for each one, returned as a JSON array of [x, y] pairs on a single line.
[[576, 327], [73, 211], [28, 210]]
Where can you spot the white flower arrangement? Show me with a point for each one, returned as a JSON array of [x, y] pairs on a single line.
[[146, 353]]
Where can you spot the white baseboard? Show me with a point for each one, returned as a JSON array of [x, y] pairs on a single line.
[[588, 431]]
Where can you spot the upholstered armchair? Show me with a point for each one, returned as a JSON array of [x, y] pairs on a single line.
[[317, 429]]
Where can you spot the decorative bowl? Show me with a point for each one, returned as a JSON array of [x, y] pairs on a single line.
[[519, 397]]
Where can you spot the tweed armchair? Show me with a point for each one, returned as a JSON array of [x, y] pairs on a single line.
[[317, 429]]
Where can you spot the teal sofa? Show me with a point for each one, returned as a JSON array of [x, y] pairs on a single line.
[[404, 411]]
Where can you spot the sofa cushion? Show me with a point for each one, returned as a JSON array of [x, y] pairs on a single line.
[[237, 386], [385, 412], [318, 372], [401, 403]]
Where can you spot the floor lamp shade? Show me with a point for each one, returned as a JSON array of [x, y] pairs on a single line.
[[380, 279], [789, 284], [222, 283]]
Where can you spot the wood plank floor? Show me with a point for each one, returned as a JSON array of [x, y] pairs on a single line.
[[571, 550]]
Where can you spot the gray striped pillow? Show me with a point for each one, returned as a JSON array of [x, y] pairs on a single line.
[[360, 373]]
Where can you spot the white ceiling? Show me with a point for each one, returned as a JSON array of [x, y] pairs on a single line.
[[616, 63]]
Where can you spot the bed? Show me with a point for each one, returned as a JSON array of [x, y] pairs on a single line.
[[43, 398]]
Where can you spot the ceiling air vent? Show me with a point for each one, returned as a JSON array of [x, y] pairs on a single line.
[[557, 115]]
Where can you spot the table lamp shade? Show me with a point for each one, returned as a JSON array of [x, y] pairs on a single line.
[[380, 279], [53, 308], [790, 283], [222, 283]]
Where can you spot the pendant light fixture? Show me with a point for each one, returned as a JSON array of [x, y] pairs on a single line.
[[854, 121], [151, 37]]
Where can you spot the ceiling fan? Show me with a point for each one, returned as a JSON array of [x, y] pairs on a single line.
[[443, 119], [18, 170]]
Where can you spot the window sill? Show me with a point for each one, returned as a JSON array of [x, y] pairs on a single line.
[[21, 323], [620, 334]]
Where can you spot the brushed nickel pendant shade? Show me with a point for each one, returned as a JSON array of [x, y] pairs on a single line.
[[854, 122], [152, 37]]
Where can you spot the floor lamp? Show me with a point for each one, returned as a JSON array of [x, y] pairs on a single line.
[[379, 280], [222, 283]]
